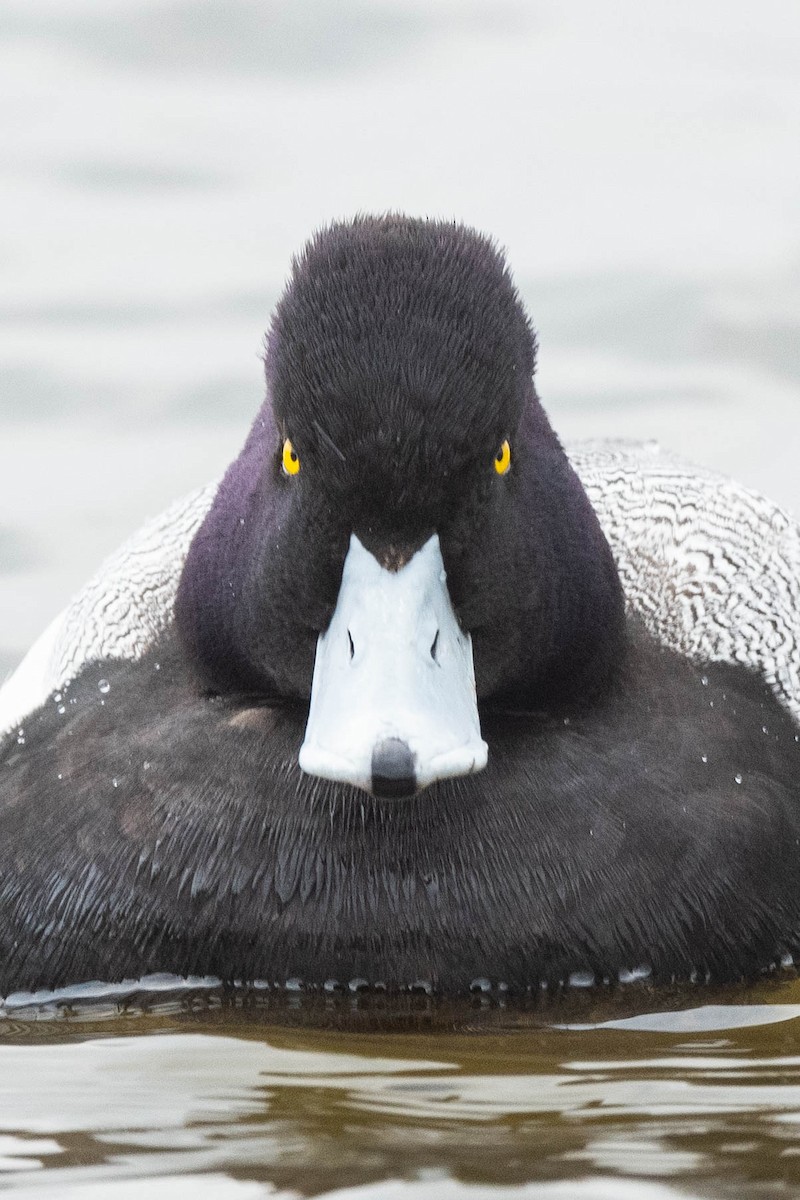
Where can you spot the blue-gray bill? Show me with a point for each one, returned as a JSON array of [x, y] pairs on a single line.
[[393, 703]]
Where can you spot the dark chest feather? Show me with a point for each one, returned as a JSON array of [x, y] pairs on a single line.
[[148, 827]]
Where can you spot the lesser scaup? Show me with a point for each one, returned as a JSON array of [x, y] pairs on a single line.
[[584, 799]]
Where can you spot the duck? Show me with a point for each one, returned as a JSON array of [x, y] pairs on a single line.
[[400, 712]]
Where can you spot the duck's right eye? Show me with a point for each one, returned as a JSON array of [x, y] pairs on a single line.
[[290, 461], [502, 460]]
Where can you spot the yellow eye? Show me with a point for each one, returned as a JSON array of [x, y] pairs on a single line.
[[502, 460], [291, 462]]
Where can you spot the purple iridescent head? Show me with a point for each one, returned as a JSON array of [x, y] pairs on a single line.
[[399, 373]]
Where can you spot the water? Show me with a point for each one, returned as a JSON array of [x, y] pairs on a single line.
[[160, 160], [196, 1097]]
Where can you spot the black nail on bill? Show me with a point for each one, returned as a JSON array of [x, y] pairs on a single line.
[[393, 774]]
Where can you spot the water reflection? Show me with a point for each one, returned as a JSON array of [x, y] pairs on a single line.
[[221, 1100]]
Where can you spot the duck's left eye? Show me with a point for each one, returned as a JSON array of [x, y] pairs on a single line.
[[291, 461], [502, 460]]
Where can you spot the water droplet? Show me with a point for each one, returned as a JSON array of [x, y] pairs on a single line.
[[21, 737], [103, 686], [422, 985], [787, 960], [331, 985], [566, 720], [60, 776], [634, 974], [62, 708], [146, 765], [704, 758], [581, 979], [157, 666], [704, 680], [764, 729], [358, 985], [737, 778], [480, 985], [57, 698], [294, 984]]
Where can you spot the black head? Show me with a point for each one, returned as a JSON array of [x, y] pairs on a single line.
[[399, 360], [398, 357]]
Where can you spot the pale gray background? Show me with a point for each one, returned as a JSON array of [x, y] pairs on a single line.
[[160, 160]]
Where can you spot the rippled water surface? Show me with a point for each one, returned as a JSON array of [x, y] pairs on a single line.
[[159, 162], [194, 1097]]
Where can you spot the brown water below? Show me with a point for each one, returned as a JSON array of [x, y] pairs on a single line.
[[633, 1093]]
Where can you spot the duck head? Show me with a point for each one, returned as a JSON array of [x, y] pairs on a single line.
[[402, 541]]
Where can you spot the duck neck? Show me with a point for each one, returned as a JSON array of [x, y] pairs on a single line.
[[570, 611], [224, 590]]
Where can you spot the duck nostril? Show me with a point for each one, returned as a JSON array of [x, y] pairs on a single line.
[[435, 646], [352, 647]]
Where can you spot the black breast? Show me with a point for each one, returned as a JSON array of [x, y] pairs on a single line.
[[147, 827]]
